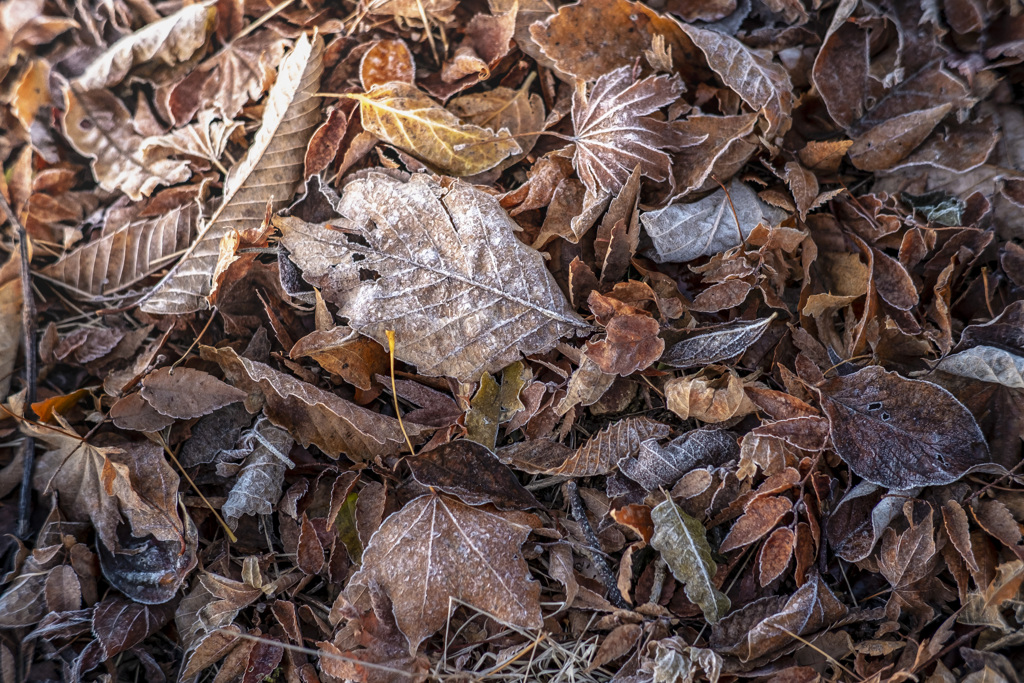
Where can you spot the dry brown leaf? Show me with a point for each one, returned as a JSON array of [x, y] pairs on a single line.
[[437, 549], [167, 42], [713, 395], [516, 111], [439, 10], [402, 115], [616, 442], [615, 132], [759, 517], [99, 126], [462, 294], [387, 61], [338, 350], [684, 232], [125, 254], [206, 139], [470, 472], [899, 432], [775, 555], [312, 415], [763, 85], [184, 393], [269, 173], [658, 466]]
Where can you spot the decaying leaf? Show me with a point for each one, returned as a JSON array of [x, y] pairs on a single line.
[[257, 486], [185, 393], [404, 116], [683, 543], [166, 42], [442, 264], [715, 346], [986, 364], [269, 173], [471, 472], [437, 548], [617, 442], [659, 466], [900, 433], [683, 232]]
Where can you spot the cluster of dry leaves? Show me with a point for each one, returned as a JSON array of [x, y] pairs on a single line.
[[512, 340]]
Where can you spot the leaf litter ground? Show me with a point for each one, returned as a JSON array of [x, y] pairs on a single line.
[[423, 340]]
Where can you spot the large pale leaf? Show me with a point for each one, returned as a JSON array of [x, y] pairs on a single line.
[[402, 115], [987, 364], [166, 42], [269, 173], [445, 272], [683, 232], [900, 433], [763, 85], [125, 254], [615, 134], [100, 127], [682, 541], [437, 549]]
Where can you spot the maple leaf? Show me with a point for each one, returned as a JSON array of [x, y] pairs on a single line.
[[462, 294], [614, 132], [437, 549]]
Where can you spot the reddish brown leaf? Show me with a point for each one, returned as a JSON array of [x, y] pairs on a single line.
[[775, 555], [760, 517]]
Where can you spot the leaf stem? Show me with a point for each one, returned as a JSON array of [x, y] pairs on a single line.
[[168, 451], [394, 390]]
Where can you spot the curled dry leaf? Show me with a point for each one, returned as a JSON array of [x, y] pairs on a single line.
[[683, 232], [402, 115], [471, 472], [269, 174], [615, 132], [437, 549], [446, 268], [683, 543], [900, 433], [713, 395], [662, 466], [257, 485], [768, 625], [166, 42], [99, 126], [184, 393]]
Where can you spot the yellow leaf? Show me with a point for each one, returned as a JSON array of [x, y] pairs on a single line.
[[402, 115]]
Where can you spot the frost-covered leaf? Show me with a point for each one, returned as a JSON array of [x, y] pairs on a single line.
[[184, 393], [683, 543], [402, 115], [167, 42], [715, 346], [987, 364], [615, 132], [662, 466], [257, 485], [900, 433], [684, 232], [616, 442], [437, 549], [446, 273], [125, 254], [269, 173]]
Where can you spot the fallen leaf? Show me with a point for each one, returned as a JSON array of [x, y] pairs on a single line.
[[763, 85], [402, 115], [206, 139], [257, 484], [387, 61], [437, 549], [684, 232], [683, 543], [614, 131], [759, 517], [270, 172], [775, 555], [470, 472], [769, 624], [184, 393], [99, 127], [986, 364], [312, 415], [716, 346], [167, 42], [616, 442], [662, 466], [517, 111], [390, 215], [898, 432]]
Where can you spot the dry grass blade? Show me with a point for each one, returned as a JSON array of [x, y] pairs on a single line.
[[270, 172]]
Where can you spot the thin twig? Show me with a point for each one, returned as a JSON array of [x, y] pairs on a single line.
[[28, 335], [579, 513]]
